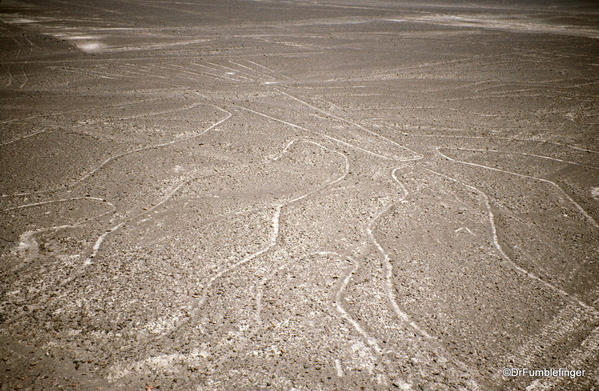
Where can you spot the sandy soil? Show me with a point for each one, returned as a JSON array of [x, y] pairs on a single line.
[[327, 195]]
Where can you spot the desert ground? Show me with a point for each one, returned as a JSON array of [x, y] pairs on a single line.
[[299, 195]]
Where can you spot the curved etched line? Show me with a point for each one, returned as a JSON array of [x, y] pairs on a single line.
[[371, 341], [99, 241], [580, 209], [10, 78], [327, 184], [389, 275], [115, 157], [577, 359], [26, 79], [102, 237], [61, 113], [495, 238], [27, 136], [27, 235], [260, 293], [390, 290], [273, 241], [153, 114]]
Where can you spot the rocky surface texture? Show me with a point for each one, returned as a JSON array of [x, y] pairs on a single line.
[[327, 195]]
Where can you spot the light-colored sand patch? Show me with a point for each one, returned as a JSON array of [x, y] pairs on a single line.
[[28, 247], [90, 47], [595, 193]]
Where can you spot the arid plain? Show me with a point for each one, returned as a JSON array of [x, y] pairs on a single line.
[[325, 195]]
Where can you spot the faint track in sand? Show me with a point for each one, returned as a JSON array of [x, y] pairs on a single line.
[[229, 69], [31, 205], [509, 139], [371, 341], [565, 324], [218, 76], [77, 224], [270, 75], [98, 243], [368, 339]]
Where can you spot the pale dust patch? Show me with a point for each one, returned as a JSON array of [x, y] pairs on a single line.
[[595, 193], [28, 248], [90, 47]]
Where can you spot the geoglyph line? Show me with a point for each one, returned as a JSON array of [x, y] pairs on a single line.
[[60, 113], [524, 154], [115, 157], [269, 69], [371, 341], [26, 240], [389, 289], [60, 201], [580, 209], [316, 133], [102, 237], [229, 69], [417, 156], [215, 75], [494, 236], [272, 242], [389, 267], [256, 72]]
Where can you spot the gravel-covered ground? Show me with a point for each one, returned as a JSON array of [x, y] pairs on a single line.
[[292, 195]]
